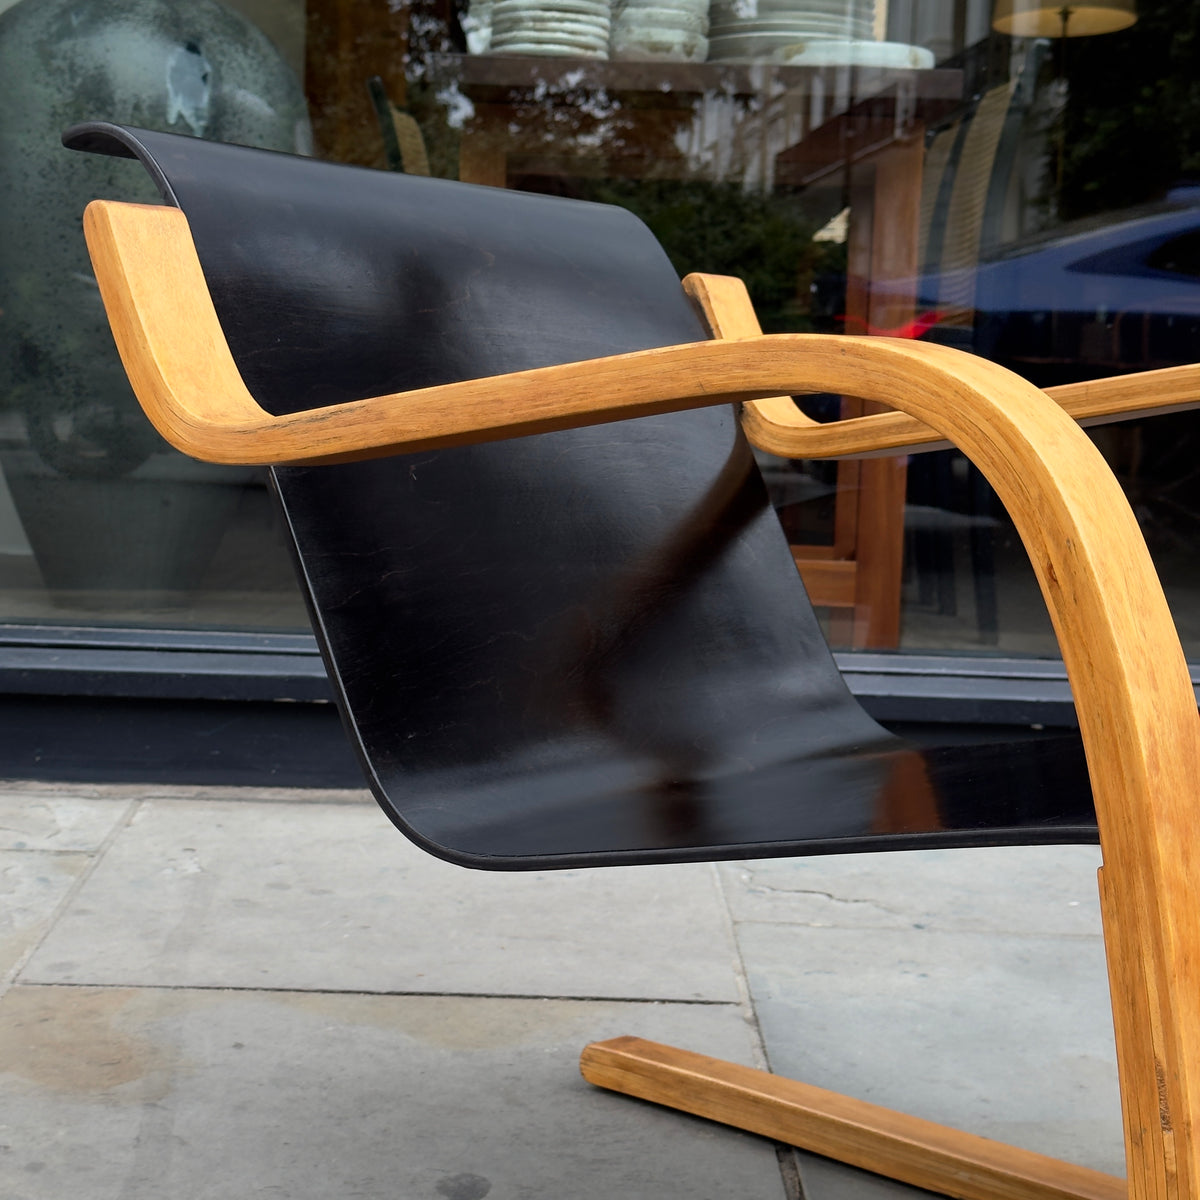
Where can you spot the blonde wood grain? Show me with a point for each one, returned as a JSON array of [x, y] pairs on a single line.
[[1140, 728], [183, 374], [1145, 760], [1139, 723], [1137, 715], [864, 1135], [776, 425], [1137, 711], [1134, 1016], [772, 425], [725, 306]]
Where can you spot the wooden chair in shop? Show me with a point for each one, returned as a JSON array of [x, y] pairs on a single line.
[[969, 172], [964, 174], [562, 621], [403, 141]]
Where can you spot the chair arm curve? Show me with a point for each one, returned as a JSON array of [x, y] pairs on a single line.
[[775, 424], [183, 374], [1136, 707]]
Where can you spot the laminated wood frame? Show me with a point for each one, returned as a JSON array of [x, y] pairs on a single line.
[[1137, 710]]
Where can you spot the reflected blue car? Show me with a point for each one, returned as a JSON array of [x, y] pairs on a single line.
[[1092, 299]]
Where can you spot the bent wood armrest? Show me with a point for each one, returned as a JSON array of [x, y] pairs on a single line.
[[184, 375], [779, 427], [776, 425], [1123, 658], [1137, 710]]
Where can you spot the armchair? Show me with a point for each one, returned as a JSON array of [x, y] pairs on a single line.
[[564, 627]]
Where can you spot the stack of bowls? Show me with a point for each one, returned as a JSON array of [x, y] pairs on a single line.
[[898, 56], [671, 30], [761, 28], [561, 28]]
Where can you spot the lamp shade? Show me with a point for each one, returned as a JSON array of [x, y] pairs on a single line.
[[1044, 18]]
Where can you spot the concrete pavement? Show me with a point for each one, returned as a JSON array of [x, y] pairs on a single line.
[[240, 993]]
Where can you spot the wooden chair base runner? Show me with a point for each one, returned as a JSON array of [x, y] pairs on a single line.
[[876, 1139]]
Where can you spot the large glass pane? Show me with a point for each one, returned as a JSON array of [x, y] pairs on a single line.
[[100, 521], [1082, 266], [954, 171]]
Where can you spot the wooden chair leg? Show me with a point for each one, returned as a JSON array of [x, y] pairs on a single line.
[[890, 1143]]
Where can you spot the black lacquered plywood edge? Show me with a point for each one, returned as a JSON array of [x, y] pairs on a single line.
[[117, 141]]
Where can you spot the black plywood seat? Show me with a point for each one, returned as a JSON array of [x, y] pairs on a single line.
[[586, 647]]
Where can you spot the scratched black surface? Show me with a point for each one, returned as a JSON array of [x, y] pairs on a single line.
[[586, 647]]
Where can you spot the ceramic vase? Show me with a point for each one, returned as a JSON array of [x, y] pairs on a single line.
[[106, 505]]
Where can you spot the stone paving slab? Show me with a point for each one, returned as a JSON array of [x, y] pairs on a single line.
[[140, 1094], [823, 1179], [295, 896], [41, 820], [965, 986], [1002, 889], [32, 886], [1006, 1036]]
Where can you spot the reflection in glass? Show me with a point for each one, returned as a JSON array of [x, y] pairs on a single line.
[[959, 173], [117, 525]]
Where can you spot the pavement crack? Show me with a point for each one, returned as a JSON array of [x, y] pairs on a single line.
[[831, 897]]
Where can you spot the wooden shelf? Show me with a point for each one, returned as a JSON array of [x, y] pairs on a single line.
[[575, 76], [762, 124]]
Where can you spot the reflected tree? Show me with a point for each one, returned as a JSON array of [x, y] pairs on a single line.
[[765, 240], [1133, 110]]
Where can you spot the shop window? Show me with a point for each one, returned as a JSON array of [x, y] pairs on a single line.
[[894, 167]]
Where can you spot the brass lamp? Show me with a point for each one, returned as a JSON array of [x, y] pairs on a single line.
[[1044, 18]]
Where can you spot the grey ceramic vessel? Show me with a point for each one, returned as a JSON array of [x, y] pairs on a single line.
[[187, 66]]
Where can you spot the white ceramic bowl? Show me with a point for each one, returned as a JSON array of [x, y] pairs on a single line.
[[734, 46], [785, 28], [564, 26], [663, 47], [647, 20], [890, 55], [749, 10], [798, 33], [725, 15], [689, 6], [547, 50], [548, 38], [840, 9], [693, 8], [552, 8], [836, 11]]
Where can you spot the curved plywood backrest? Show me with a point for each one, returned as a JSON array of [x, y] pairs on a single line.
[[581, 647]]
